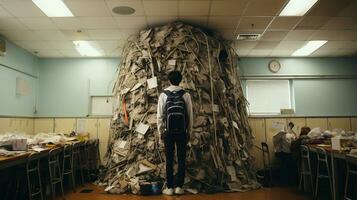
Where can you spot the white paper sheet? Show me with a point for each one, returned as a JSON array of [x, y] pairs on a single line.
[[152, 82], [142, 128]]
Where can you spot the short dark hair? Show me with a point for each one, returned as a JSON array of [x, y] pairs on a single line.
[[175, 77], [305, 130]]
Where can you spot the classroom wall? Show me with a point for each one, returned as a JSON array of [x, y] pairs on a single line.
[[18, 63], [317, 96], [65, 85]]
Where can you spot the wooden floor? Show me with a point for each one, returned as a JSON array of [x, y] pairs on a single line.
[[276, 193]]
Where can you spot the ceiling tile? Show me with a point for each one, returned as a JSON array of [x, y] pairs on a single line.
[[273, 35], [227, 7], [105, 34], [161, 8], [299, 35], [155, 21], [254, 22], [11, 24], [242, 52], [350, 10], [289, 45], [266, 45], [67, 23], [341, 23], [133, 22], [110, 44], [70, 53], [85, 8], [312, 23], [245, 45], [284, 23], [62, 45], [54, 35], [49, 53], [195, 20], [76, 35], [264, 7], [4, 13], [126, 33], [98, 23], [228, 34], [193, 8], [38, 23], [23, 9], [136, 4], [334, 35], [282, 53], [216, 22], [259, 53], [36, 45], [20, 35], [328, 7]]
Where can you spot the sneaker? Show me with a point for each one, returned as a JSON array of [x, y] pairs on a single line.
[[168, 191], [179, 190]]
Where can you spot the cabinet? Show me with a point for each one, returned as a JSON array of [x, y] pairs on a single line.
[[4, 125], [317, 122], [343, 123], [44, 125], [258, 129], [103, 135], [65, 125], [354, 124]]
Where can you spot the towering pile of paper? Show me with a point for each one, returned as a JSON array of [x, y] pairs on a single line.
[[217, 157]]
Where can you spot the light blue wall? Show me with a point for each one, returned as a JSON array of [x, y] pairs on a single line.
[[17, 63], [313, 97], [67, 84]]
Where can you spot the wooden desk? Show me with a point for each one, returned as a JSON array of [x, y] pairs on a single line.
[[11, 161]]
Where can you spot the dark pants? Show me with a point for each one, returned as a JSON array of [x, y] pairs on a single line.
[[181, 142]]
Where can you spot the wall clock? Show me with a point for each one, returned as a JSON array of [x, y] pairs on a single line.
[[274, 66]]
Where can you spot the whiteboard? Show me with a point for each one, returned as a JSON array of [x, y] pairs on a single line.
[[101, 105], [268, 96]]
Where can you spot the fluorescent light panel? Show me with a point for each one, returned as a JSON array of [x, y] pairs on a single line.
[[309, 48], [53, 8], [86, 49], [297, 7]]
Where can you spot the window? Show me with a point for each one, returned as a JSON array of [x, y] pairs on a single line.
[[101, 105], [268, 96]]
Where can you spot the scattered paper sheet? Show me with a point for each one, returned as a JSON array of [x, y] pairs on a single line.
[[235, 125], [38, 148], [136, 86], [152, 82], [142, 128], [124, 91], [171, 62]]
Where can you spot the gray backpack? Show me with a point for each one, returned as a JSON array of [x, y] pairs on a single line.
[[175, 112]]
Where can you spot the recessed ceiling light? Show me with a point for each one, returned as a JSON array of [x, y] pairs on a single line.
[[86, 49], [309, 48], [123, 10], [297, 7], [53, 8]]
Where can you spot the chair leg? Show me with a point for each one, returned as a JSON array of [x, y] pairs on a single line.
[[346, 183], [329, 179], [39, 181], [317, 180], [60, 177]]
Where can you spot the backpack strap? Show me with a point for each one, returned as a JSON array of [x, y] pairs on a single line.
[[170, 94]]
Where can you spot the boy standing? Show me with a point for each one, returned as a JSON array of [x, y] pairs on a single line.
[[174, 122]]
